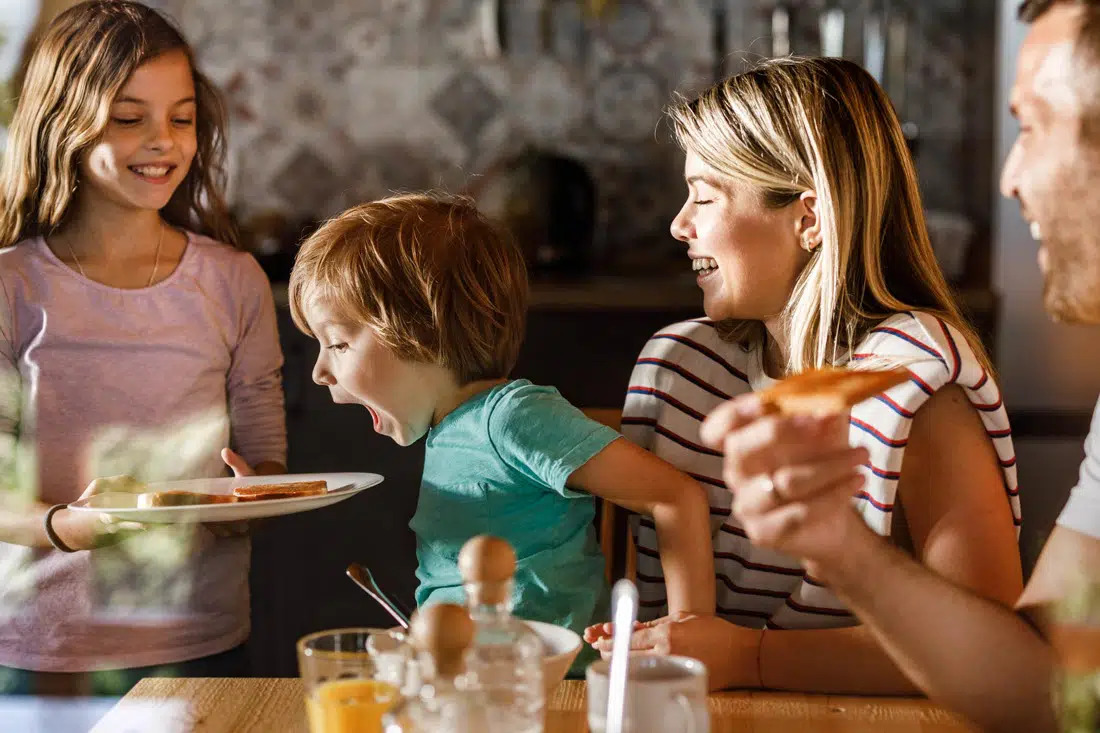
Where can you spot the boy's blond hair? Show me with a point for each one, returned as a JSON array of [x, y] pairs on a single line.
[[430, 274]]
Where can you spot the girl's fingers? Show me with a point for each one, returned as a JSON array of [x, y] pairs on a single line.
[[239, 465]]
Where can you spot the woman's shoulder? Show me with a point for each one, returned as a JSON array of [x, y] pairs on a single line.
[[926, 344]]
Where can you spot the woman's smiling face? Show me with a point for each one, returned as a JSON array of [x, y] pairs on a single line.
[[747, 256]]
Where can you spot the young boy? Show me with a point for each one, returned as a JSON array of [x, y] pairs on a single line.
[[419, 303]]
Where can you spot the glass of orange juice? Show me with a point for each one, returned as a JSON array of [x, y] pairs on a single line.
[[351, 677]]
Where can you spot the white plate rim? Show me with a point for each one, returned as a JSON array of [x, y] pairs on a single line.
[[369, 480]]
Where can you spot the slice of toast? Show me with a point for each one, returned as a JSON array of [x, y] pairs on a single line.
[[181, 498], [280, 491], [828, 391]]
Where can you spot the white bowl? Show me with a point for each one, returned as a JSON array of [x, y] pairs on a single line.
[[560, 648]]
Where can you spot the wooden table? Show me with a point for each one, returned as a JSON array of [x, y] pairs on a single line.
[[275, 705]]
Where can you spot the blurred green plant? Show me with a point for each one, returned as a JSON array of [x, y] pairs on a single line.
[[1077, 641], [7, 98], [597, 7]]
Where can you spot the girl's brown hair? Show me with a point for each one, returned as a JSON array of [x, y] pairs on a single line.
[[799, 124], [77, 69]]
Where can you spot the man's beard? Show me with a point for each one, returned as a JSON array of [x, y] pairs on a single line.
[[1071, 240], [1071, 282]]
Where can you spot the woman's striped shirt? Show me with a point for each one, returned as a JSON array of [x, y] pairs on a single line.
[[686, 370]]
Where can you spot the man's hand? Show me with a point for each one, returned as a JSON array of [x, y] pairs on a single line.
[[792, 478]]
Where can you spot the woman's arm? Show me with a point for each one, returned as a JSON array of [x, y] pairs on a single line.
[[636, 479], [959, 518], [953, 491]]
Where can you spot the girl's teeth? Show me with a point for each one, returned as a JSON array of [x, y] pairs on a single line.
[[1036, 231], [152, 172], [704, 263]]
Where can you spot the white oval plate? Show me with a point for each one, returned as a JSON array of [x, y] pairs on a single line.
[[123, 506]]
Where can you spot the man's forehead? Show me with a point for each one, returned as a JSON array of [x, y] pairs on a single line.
[[1044, 71]]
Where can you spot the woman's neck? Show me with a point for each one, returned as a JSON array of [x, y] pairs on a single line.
[[776, 349]]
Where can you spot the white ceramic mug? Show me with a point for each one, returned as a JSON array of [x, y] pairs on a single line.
[[662, 694]]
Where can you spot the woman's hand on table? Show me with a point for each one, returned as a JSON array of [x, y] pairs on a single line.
[[729, 651], [792, 478], [89, 531]]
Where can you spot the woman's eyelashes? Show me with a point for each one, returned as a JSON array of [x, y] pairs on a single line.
[[338, 347], [133, 121]]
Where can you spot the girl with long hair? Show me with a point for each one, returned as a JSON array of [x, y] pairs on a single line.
[[136, 340]]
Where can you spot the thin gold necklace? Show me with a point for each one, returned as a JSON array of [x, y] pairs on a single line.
[[156, 258]]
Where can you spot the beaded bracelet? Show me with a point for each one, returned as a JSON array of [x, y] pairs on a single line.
[[51, 535]]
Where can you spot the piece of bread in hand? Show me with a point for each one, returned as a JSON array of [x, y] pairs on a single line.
[[280, 491], [181, 498], [828, 391]]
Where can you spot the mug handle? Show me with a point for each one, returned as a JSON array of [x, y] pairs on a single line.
[[684, 702]]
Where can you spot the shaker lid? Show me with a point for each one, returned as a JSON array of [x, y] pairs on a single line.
[[443, 631], [487, 559]]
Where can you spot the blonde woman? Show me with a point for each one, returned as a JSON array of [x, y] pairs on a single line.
[[803, 222]]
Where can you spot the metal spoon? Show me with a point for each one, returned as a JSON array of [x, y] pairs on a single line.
[[624, 612], [361, 577]]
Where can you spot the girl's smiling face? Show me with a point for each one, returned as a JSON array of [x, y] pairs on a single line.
[[149, 143]]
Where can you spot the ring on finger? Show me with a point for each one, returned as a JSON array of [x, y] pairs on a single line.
[[770, 487]]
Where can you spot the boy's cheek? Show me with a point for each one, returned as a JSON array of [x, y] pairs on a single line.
[[339, 396]]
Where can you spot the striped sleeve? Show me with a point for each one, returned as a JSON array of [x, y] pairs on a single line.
[[936, 355]]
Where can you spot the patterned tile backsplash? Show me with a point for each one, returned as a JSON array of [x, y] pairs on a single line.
[[335, 101]]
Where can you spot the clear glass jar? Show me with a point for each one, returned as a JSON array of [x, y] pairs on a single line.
[[505, 663]]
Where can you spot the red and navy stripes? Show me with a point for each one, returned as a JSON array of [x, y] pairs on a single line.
[[705, 352], [680, 370], [686, 371]]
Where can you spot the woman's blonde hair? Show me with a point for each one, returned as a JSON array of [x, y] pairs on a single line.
[[77, 69], [793, 125], [436, 280]]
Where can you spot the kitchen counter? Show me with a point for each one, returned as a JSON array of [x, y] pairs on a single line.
[[636, 292]]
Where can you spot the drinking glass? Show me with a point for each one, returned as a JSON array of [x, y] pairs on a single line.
[[351, 677]]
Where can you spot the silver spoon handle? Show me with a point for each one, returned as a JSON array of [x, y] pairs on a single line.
[[362, 577], [624, 612]]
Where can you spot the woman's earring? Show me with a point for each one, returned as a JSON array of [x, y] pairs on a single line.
[[809, 243]]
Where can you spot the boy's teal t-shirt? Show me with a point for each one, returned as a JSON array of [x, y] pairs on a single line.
[[498, 465]]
